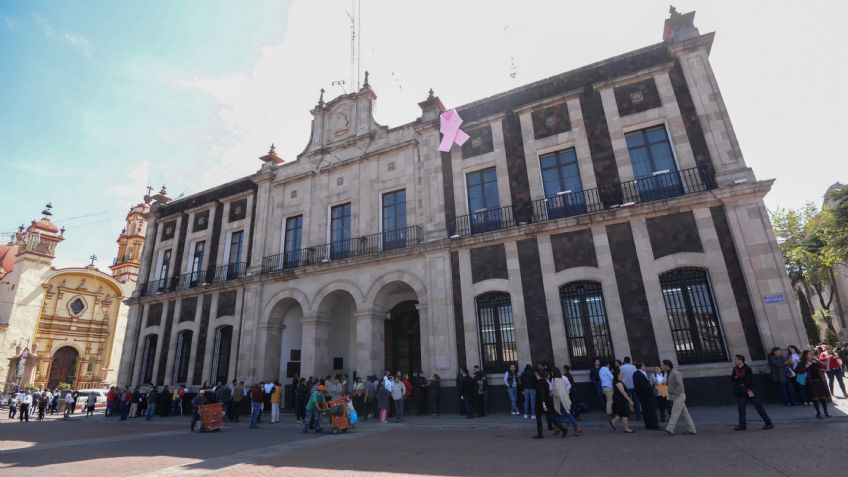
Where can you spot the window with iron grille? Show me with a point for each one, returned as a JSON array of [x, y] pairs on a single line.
[[586, 324], [497, 332], [221, 354], [695, 328], [182, 357], [148, 357]]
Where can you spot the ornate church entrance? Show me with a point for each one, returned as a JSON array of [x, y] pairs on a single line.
[[64, 367], [403, 339]]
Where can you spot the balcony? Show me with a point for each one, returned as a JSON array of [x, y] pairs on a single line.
[[659, 186], [186, 281], [355, 247]]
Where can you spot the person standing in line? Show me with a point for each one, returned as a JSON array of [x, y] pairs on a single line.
[[482, 394], [276, 397], [569, 383], [628, 370], [70, 402], [743, 379], [384, 396], [817, 382], [660, 381], [545, 406], [235, 405], [528, 382], [300, 398], [315, 404], [433, 394], [13, 405], [677, 395], [164, 402], [126, 401], [26, 402], [622, 403], [779, 366], [90, 402], [52, 401], [256, 397], [595, 379], [152, 402], [110, 401], [43, 403], [398, 396], [510, 380], [75, 395], [802, 379], [136, 399], [646, 396], [834, 369], [469, 391], [606, 378]]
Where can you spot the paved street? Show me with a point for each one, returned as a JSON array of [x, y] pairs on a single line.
[[442, 446]]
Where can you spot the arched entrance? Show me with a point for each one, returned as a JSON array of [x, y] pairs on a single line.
[[64, 367], [403, 338], [338, 309], [283, 345]]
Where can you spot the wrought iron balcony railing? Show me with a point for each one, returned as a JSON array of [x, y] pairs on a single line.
[[221, 274]]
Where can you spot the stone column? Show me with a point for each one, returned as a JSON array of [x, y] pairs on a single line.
[[370, 341], [271, 338], [315, 353]]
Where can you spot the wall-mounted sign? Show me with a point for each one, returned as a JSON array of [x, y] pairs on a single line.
[[772, 299]]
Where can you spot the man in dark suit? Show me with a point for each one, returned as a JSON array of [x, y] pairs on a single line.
[[647, 396]]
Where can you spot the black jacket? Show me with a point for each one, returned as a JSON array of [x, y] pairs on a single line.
[[543, 395], [528, 379], [744, 381], [643, 385], [468, 387]]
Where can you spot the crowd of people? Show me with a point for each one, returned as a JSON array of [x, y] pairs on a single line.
[[626, 391]]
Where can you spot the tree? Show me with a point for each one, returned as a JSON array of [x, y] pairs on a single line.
[[838, 226], [813, 334]]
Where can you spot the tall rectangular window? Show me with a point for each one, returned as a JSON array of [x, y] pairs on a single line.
[[394, 220], [221, 354], [197, 263], [483, 201], [234, 259], [653, 164], [562, 184], [586, 323], [340, 231], [181, 359], [692, 316], [292, 242], [497, 332], [148, 358], [164, 268]]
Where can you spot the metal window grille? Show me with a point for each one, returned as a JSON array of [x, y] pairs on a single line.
[[182, 357], [497, 332], [221, 354], [586, 324], [695, 328], [148, 358]]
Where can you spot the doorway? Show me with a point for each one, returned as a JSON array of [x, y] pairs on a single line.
[[403, 339], [64, 367]]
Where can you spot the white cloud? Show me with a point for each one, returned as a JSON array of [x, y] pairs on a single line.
[[133, 188], [74, 40]]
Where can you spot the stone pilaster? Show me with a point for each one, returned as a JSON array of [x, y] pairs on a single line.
[[370, 341], [315, 356]]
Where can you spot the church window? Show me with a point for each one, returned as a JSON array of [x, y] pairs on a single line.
[[76, 306]]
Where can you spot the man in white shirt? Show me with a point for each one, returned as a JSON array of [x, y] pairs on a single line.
[[606, 385], [26, 403], [511, 382], [627, 370], [69, 404]]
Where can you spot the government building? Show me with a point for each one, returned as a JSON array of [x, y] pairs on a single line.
[[602, 212]]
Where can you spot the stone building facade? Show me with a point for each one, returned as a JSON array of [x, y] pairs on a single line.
[[606, 211]]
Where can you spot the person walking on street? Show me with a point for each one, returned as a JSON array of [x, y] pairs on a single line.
[[780, 369], [595, 379], [743, 378], [561, 397], [26, 403], [511, 382], [622, 403], [545, 406], [677, 395], [646, 396], [43, 402], [606, 378], [528, 382], [313, 407], [13, 405], [660, 381], [70, 402], [817, 383], [627, 372], [90, 402], [834, 369]]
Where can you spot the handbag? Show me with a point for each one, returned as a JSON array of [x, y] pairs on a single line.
[[354, 417]]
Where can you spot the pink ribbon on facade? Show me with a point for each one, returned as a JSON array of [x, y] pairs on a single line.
[[449, 127]]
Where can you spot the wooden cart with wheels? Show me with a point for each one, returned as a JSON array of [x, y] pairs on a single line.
[[211, 417]]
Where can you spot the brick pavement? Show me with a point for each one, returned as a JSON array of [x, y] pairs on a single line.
[[446, 446]]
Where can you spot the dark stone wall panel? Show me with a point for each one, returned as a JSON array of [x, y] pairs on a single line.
[[188, 309], [535, 306], [674, 233], [154, 314], [516, 166], [458, 320], [737, 282], [447, 186], [631, 291], [165, 341], [574, 249], [550, 121], [488, 262], [215, 239], [480, 141], [625, 95], [203, 332], [226, 303]]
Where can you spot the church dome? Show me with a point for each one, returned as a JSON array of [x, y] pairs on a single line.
[[7, 259], [44, 225]]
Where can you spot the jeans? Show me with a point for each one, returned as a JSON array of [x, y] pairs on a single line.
[[601, 396], [109, 405], [468, 406], [151, 411], [786, 394], [256, 409], [529, 401], [125, 411], [742, 402], [434, 406], [310, 416], [565, 414], [398, 410], [511, 393], [68, 410], [835, 373]]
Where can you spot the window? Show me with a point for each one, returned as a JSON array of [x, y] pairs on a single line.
[[563, 187], [233, 265], [497, 332], [221, 354], [197, 263], [163, 270], [76, 306], [653, 164], [694, 323], [340, 231], [148, 357], [394, 220], [586, 323], [292, 245], [182, 357], [483, 202]]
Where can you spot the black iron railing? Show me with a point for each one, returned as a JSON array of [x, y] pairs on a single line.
[[354, 247], [186, 281], [661, 185]]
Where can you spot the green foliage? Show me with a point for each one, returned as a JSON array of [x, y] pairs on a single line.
[[830, 337], [64, 386], [838, 226], [812, 330]]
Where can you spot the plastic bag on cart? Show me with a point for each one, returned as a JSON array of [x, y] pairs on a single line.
[[350, 406], [354, 418]]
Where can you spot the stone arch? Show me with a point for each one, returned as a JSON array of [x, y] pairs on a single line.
[[335, 286], [282, 329], [410, 279], [292, 293], [336, 311], [680, 260], [64, 365]]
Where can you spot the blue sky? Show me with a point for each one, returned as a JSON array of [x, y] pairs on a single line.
[[100, 98]]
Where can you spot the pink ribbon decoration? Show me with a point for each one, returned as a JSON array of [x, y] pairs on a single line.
[[449, 127]]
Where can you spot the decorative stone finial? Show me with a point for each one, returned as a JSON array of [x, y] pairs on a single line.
[[431, 94], [162, 191], [321, 98], [62, 230], [365, 84], [47, 209], [273, 149], [672, 11]]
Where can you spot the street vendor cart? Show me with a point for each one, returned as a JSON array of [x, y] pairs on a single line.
[[211, 417], [338, 411]]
